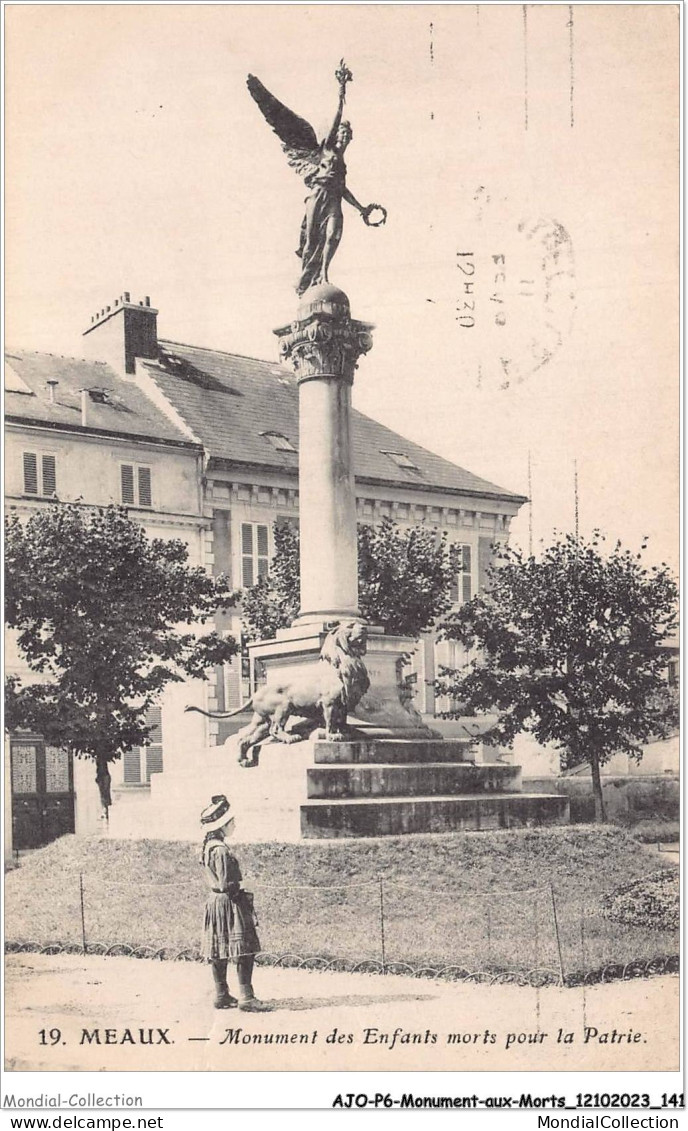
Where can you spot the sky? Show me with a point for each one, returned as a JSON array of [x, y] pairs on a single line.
[[524, 288]]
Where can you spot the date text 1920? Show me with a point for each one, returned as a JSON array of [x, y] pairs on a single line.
[[465, 305]]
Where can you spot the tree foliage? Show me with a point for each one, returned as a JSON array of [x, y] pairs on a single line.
[[569, 647], [98, 608], [273, 602], [404, 576], [404, 579]]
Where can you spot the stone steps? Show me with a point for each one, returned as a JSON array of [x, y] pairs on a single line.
[[357, 788], [410, 779], [387, 751], [394, 816]]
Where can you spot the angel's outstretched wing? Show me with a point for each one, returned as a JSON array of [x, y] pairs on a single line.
[[299, 140]]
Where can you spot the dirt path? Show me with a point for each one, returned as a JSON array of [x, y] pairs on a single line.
[[91, 995]]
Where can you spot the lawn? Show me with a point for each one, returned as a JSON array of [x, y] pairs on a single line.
[[482, 901]]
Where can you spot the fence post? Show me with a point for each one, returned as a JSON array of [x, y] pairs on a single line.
[[536, 939], [382, 923], [583, 961], [83, 918], [556, 931]]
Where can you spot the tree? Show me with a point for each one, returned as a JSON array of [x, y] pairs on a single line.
[[98, 608], [273, 602], [404, 578], [569, 648]]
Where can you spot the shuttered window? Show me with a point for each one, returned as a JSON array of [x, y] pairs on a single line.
[[255, 553], [462, 587], [139, 763], [136, 485], [40, 474]]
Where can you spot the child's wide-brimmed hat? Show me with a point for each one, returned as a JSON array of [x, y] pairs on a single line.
[[217, 814]]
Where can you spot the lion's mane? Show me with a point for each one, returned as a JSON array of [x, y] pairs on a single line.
[[343, 649]]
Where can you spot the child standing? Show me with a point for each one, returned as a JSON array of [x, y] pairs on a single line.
[[229, 930]]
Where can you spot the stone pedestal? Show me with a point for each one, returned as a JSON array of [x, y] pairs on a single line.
[[383, 711], [314, 790]]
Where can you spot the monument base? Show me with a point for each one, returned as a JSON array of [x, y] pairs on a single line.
[[318, 789], [384, 711]]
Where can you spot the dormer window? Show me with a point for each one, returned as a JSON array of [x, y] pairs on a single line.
[[99, 396], [279, 442], [401, 460]]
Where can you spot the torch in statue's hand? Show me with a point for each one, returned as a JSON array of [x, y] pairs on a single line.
[[343, 75], [371, 211]]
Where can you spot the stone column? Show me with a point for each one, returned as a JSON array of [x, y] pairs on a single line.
[[323, 346]]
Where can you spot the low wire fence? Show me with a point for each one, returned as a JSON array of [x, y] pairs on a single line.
[[527, 936]]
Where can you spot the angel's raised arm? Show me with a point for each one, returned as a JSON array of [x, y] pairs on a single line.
[[332, 136], [343, 75]]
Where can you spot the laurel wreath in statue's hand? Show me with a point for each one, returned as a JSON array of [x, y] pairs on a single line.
[[367, 212]]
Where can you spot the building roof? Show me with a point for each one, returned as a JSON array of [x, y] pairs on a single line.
[[116, 407], [238, 406]]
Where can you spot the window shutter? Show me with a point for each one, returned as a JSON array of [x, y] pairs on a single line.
[[222, 542], [262, 545], [145, 495], [131, 763], [153, 753], [485, 558], [128, 484], [49, 477], [247, 577], [465, 588], [30, 474], [232, 674], [153, 761], [466, 591], [154, 720]]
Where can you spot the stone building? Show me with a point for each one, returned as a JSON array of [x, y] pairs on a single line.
[[202, 444]]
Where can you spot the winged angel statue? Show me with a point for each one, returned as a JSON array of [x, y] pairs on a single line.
[[321, 164]]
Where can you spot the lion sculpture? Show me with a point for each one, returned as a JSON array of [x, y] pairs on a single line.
[[327, 692]]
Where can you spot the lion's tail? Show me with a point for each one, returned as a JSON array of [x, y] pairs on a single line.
[[222, 714]]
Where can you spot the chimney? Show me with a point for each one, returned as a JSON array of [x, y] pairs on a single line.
[[121, 332], [52, 385]]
